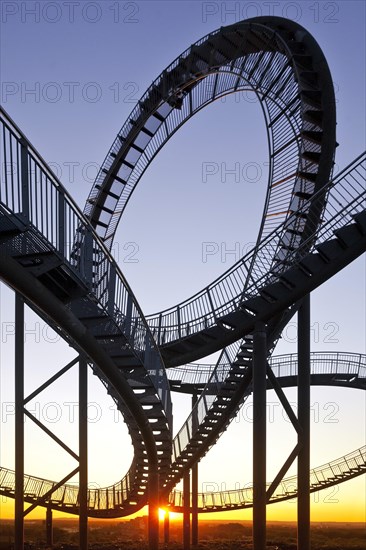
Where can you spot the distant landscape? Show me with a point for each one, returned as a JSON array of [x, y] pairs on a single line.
[[214, 535]]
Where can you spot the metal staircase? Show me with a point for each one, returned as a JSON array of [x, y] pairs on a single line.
[[337, 368], [286, 69], [222, 312], [322, 477], [72, 265], [50, 253], [327, 368], [330, 369], [59, 259]]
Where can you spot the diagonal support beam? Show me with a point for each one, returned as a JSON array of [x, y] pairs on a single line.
[[275, 483], [51, 380], [51, 435], [52, 490], [283, 399]]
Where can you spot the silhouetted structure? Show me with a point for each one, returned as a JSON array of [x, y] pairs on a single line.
[[54, 256]]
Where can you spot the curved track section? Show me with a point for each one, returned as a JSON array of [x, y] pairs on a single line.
[[276, 58], [284, 66], [107, 504], [341, 368], [257, 289], [50, 254], [330, 474], [330, 369], [230, 384]]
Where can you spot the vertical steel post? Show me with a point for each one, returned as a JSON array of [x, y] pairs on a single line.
[[194, 484], [19, 423], [166, 527], [153, 526], [259, 436], [195, 504], [49, 526], [186, 511], [83, 454], [303, 401]]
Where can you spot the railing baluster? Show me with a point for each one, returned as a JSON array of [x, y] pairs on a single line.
[[24, 159]]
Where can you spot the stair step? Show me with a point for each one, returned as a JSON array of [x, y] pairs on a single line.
[[303, 60], [304, 196], [296, 47], [314, 117], [127, 362], [347, 235], [360, 220], [309, 176], [311, 263], [328, 250], [255, 304], [314, 137], [312, 98], [311, 156], [309, 78], [275, 291], [245, 353]]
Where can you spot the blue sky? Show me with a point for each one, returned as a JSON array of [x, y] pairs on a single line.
[[71, 73]]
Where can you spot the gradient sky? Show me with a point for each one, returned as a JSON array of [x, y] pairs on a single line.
[[70, 76]]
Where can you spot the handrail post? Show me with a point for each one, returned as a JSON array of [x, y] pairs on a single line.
[[24, 162], [61, 223], [129, 315], [178, 321], [159, 328], [111, 289]]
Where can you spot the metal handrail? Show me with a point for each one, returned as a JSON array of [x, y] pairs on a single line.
[[34, 196], [334, 190], [67, 495], [198, 373], [74, 223], [219, 373], [272, 106], [243, 497]]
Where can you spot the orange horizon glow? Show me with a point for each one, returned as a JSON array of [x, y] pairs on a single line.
[[352, 511]]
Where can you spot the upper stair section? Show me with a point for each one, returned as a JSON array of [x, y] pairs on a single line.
[[285, 67], [268, 280]]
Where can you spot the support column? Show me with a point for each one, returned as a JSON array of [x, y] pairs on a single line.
[[195, 505], [166, 527], [195, 487], [186, 511], [153, 526], [49, 526], [259, 436], [303, 401], [83, 454], [19, 423]]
